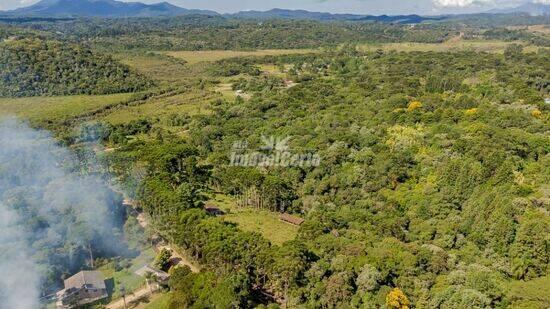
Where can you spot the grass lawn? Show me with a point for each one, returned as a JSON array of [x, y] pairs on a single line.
[[159, 301], [42, 109], [193, 57], [265, 222], [126, 277]]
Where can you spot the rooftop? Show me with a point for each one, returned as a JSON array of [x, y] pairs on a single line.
[[291, 219], [93, 278]]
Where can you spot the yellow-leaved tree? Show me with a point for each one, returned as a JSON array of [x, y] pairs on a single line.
[[396, 299]]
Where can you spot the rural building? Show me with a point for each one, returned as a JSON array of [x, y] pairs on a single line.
[[291, 219], [211, 209], [161, 275], [83, 288]]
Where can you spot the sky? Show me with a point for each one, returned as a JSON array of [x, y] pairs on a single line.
[[371, 7]]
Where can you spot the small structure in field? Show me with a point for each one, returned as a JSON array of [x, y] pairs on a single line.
[[291, 219], [83, 288], [161, 276], [212, 210]]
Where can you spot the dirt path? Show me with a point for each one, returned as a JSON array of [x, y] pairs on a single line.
[[143, 220], [182, 260], [146, 291]]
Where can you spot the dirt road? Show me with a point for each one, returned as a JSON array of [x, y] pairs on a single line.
[[145, 291], [132, 298]]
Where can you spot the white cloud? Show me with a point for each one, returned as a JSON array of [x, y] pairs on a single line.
[[483, 3], [463, 3]]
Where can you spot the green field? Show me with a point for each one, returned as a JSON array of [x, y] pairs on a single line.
[[264, 222], [54, 109], [193, 57], [189, 103], [158, 301]]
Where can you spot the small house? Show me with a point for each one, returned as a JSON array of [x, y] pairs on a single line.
[[291, 219], [159, 274], [83, 288]]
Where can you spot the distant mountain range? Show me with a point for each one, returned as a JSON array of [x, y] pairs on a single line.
[[307, 15], [102, 8], [114, 9], [535, 9]]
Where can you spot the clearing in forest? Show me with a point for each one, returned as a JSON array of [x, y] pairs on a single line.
[[265, 222], [56, 109], [193, 57]]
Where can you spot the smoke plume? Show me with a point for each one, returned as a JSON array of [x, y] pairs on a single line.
[[51, 215]]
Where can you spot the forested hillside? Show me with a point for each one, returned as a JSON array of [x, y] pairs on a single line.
[[211, 32], [31, 67]]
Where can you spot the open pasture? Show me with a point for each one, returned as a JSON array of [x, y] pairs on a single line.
[[193, 57], [56, 109], [451, 45], [189, 103]]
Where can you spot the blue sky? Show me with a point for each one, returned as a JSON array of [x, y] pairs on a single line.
[[375, 7]]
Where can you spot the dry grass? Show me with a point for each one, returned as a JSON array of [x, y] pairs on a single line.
[[451, 45], [193, 57], [158, 67], [540, 28]]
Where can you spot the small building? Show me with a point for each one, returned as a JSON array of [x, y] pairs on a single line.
[[212, 210], [83, 288], [291, 219], [161, 275]]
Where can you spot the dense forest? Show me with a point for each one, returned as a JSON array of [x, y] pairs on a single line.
[[431, 192], [32, 67], [431, 183], [200, 32]]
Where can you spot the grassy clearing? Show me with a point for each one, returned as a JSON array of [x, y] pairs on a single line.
[[193, 57], [53, 109], [265, 222], [451, 45], [191, 103], [158, 301], [157, 66], [126, 276]]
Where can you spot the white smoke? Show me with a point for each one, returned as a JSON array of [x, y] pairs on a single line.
[[48, 213], [19, 279]]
